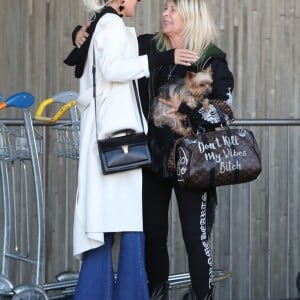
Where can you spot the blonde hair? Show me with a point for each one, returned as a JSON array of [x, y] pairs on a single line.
[[95, 5], [198, 26]]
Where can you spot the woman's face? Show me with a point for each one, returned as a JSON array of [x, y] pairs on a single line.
[[172, 23], [129, 9]]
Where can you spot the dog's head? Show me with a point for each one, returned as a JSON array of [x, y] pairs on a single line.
[[199, 84]]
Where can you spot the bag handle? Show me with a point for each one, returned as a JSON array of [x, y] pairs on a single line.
[[229, 134], [135, 93], [221, 116]]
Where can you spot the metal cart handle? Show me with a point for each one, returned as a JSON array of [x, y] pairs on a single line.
[[68, 98]]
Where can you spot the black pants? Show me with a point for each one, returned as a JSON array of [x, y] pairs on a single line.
[[192, 207]]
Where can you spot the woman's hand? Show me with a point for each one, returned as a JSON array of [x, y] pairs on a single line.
[[174, 104], [82, 35], [185, 57]]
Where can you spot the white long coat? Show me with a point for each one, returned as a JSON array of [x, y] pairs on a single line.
[[110, 203]]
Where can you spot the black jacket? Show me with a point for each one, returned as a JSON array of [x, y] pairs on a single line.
[[162, 139], [223, 80]]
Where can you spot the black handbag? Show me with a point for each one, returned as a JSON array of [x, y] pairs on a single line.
[[216, 158], [125, 149]]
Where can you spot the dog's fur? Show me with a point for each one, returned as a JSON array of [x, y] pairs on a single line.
[[191, 90]]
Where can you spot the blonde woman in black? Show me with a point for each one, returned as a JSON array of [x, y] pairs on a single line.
[[185, 24]]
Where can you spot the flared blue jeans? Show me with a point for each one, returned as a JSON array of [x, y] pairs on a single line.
[[97, 280]]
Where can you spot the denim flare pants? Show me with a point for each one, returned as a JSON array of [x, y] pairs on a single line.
[[96, 279]]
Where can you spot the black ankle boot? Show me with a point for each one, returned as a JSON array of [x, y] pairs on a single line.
[[210, 294], [161, 292], [191, 295]]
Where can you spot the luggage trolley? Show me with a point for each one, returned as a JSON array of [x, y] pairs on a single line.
[[23, 206], [67, 133], [66, 148]]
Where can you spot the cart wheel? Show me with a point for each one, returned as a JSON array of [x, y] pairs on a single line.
[[29, 292], [5, 285]]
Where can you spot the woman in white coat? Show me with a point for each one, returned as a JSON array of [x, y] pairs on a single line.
[[111, 203]]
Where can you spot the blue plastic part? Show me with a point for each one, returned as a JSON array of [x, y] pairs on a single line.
[[20, 100]]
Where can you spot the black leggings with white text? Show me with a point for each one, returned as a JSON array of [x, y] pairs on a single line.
[[192, 208]]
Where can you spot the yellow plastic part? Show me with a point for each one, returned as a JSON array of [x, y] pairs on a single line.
[[57, 116]]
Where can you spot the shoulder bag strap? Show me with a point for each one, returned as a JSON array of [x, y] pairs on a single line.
[[138, 102], [94, 88]]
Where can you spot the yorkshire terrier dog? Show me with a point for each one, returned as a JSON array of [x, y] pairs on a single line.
[[191, 90]]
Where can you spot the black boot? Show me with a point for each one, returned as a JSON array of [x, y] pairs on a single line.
[[191, 295], [210, 294], [160, 292]]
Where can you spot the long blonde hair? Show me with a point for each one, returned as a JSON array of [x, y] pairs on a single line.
[[198, 26], [95, 5]]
